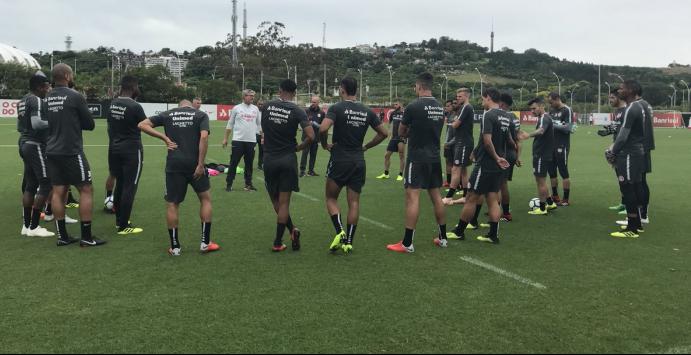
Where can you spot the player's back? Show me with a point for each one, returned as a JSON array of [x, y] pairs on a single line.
[[425, 120], [67, 115], [280, 121], [123, 118], [351, 122]]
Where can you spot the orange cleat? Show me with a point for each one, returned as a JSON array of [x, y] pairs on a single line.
[[279, 248], [211, 247], [400, 248]]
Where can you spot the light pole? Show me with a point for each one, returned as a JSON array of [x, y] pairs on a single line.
[[674, 96], [478, 71], [441, 91], [688, 94], [558, 81], [671, 102], [537, 87], [178, 69], [360, 71], [287, 67], [390, 84], [261, 84], [243, 76], [446, 83], [609, 90], [521, 90], [617, 75], [213, 75]]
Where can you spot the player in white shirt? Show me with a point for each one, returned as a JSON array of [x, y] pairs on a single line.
[[244, 125]]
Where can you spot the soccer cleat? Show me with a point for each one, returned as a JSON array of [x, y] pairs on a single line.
[[446, 185], [553, 206], [40, 232], [400, 248], [302, 174], [625, 234], [49, 218], [472, 227], [347, 248], [564, 203], [507, 217], [484, 225], [72, 205], [130, 229], [312, 173], [556, 199], [208, 248], [66, 242], [383, 177], [70, 220], [640, 230], [488, 239], [91, 243], [442, 243], [295, 239], [174, 252], [460, 193], [337, 242], [618, 208], [25, 231], [250, 188], [279, 248], [538, 212], [229, 188], [623, 213], [454, 236], [399, 178]]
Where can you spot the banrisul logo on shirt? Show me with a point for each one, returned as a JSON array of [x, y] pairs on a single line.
[[117, 112], [278, 115], [56, 103], [435, 113], [355, 118], [182, 119]]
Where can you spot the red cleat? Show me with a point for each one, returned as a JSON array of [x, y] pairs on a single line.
[[446, 185], [556, 199], [564, 203], [400, 248], [279, 248], [211, 247]]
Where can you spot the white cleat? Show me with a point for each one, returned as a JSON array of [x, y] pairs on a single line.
[[40, 232], [25, 231], [49, 218], [625, 223], [70, 220], [175, 252]]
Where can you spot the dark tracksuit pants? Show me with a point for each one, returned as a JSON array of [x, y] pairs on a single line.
[[240, 150], [312, 151], [260, 156], [126, 167]]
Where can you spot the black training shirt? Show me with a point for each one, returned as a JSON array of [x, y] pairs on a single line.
[[562, 121], [464, 133], [496, 123], [425, 120], [631, 137], [396, 117], [280, 120], [649, 132], [543, 145], [67, 115], [183, 125], [124, 116], [32, 106], [351, 121]]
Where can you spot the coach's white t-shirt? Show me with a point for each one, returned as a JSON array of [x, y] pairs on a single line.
[[245, 121]]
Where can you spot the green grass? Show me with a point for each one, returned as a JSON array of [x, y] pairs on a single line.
[[602, 295]]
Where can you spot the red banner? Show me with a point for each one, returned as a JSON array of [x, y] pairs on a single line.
[[223, 112], [671, 119]]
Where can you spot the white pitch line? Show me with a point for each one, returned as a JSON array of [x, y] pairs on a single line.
[[314, 199], [505, 273]]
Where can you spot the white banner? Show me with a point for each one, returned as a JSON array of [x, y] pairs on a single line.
[[210, 110], [600, 119], [154, 109], [8, 108]]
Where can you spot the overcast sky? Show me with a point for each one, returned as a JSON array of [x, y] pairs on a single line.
[[618, 32]]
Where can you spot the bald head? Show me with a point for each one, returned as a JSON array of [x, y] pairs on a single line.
[[185, 103], [62, 74]]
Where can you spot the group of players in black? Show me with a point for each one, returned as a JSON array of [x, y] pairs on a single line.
[[51, 124]]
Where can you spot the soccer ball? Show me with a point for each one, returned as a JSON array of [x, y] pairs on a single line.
[[108, 203], [534, 203]]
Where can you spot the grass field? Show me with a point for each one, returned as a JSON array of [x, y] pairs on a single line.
[[599, 295]]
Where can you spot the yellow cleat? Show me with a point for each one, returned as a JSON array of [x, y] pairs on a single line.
[[472, 227], [337, 243], [484, 225], [347, 248], [383, 177], [552, 207], [538, 212], [399, 178], [625, 234]]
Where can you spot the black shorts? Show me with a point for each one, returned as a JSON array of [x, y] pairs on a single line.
[[508, 173], [541, 166], [648, 162], [65, 170], [423, 175], [348, 173], [483, 183], [561, 163], [461, 155], [281, 174], [177, 182], [36, 179], [393, 145], [630, 168], [448, 154]]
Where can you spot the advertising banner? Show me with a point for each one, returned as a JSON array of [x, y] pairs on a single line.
[[96, 110], [600, 119], [210, 110], [667, 119], [8, 108], [154, 109], [223, 112]]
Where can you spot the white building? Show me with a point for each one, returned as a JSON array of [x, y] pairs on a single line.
[[175, 66], [10, 54]]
